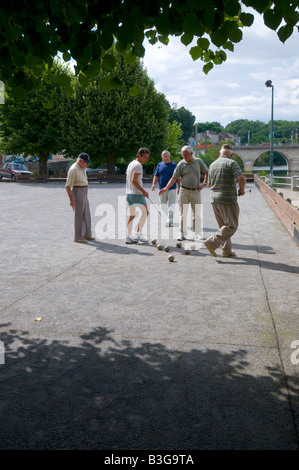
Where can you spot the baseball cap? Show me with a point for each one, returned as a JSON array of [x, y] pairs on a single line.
[[85, 157]]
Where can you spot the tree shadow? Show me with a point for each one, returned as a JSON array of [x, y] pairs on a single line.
[[104, 393], [262, 263], [268, 250]]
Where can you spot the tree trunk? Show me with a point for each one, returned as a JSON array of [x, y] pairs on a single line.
[[43, 160], [111, 163]]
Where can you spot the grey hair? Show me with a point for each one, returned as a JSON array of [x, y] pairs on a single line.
[[226, 149], [188, 148], [165, 151]]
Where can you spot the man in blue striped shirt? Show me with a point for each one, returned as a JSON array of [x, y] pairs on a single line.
[[224, 173]]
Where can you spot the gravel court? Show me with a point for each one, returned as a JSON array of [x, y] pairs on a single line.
[[163, 350]]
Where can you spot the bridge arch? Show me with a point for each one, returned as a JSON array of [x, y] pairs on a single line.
[[249, 155]]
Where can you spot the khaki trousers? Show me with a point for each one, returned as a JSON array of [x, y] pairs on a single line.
[[188, 196], [82, 219], [227, 218]]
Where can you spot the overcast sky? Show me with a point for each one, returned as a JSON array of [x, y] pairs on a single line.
[[236, 89]]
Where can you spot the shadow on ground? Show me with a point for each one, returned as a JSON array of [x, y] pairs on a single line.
[[107, 394]]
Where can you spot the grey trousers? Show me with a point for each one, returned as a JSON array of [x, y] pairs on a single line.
[[228, 219], [82, 219]]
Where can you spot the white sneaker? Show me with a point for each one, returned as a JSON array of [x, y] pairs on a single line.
[[130, 240], [140, 237], [181, 237], [197, 237]]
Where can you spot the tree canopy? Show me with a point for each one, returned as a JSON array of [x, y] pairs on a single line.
[[32, 34], [185, 118], [31, 126], [112, 126], [258, 131]]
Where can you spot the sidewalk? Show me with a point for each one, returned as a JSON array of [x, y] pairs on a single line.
[[134, 352]]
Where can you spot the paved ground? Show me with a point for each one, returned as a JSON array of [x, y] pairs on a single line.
[[289, 194], [134, 352]]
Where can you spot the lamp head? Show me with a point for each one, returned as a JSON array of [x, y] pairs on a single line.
[[269, 84]]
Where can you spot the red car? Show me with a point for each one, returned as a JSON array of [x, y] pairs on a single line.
[[11, 170]]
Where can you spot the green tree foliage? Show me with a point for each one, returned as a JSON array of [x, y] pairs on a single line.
[[209, 126], [32, 126], [112, 125], [284, 131], [174, 140], [185, 118], [37, 30]]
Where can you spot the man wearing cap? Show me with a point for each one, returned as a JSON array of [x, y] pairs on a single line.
[[189, 172], [76, 188], [224, 173]]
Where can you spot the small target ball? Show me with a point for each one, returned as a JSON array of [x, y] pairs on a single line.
[[193, 247], [154, 241], [166, 248], [179, 244], [170, 258], [187, 252], [159, 247]]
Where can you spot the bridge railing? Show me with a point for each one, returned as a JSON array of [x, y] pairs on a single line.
[[266, 145], [291, 182]]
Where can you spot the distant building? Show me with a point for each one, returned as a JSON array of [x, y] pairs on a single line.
[[215, 138]]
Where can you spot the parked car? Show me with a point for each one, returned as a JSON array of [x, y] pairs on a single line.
[[91, 171], [31, 158], [103, 169], [100, 170], [11, 170], [16, 159]]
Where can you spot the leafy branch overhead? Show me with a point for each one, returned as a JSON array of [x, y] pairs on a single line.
[[35, 32]]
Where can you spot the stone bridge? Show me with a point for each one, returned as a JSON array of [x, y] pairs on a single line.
[[250, 153]]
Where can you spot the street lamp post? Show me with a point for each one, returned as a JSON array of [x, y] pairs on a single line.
[[270, 85]]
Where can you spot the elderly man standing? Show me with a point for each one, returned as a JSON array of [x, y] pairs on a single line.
[[224, 173], [163, 173], [76, 188], [189, 171]]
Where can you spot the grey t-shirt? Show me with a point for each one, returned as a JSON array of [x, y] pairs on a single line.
[[190, 172]]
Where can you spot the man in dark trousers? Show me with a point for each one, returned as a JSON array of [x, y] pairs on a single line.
[[76, 188], [224, 173]]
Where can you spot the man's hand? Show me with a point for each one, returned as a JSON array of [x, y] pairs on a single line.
[[72, 202], [162, 191]]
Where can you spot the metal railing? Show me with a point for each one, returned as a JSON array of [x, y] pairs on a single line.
[[291, 182]]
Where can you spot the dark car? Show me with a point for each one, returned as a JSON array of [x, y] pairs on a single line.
[[11, 170]]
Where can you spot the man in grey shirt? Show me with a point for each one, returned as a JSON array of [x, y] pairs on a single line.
[[189, 171]]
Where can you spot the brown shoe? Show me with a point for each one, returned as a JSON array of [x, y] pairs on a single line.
[[228, 255], [90, 238], [211, 250], [81, 241]]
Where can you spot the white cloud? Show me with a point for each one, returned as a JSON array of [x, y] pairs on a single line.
[[235, 89]]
